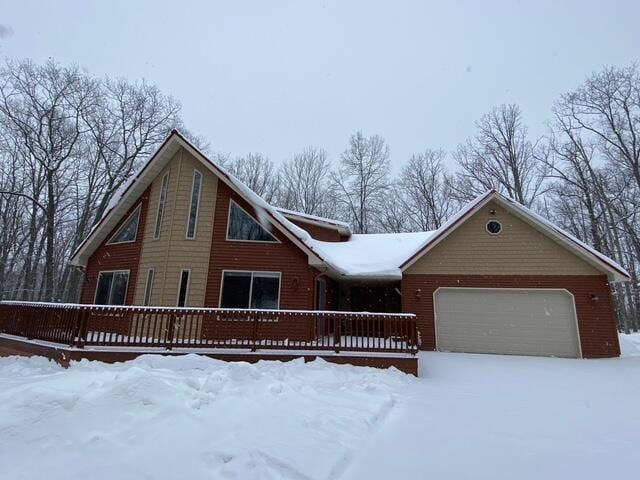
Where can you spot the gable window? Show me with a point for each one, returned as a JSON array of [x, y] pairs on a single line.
[[128, 230], [148, 287], [494, 227], [112, 288], [195, 201], [243, 227], [161, 203], [183, 288], [250, 290]]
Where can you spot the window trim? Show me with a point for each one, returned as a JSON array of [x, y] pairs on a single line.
[[95, 293], [252, 272], [195, 221], [231, 201], [136, 211], [186, 293], [157, 231], [148, 287]]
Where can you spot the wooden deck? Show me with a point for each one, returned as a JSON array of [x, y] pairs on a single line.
[[116, 333]]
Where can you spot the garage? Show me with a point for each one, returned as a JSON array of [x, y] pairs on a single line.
[[536, 322]]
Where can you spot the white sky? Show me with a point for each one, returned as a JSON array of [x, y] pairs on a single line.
[[275, 76]]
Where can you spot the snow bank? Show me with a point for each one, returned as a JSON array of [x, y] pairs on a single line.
[[187, 417], [630, 344]]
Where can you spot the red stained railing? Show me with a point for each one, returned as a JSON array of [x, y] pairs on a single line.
[[205, 328]]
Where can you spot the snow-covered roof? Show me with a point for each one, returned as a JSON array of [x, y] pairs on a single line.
[[372, 255], [342, 227]]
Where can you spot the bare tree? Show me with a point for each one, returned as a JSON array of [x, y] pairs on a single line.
[[500, 156], [426, 191], [305, 182], [360, 184], [257, 172]]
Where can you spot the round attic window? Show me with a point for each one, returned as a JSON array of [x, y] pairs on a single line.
[[494, 227]]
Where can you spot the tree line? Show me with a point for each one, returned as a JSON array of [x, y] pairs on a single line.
[[69, 141]]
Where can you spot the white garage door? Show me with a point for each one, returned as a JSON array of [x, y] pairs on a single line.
[[519, 322]]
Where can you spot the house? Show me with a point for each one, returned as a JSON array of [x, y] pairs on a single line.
[[496, 278]]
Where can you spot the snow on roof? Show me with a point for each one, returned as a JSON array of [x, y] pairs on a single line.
[[376, 255], [316, 218]]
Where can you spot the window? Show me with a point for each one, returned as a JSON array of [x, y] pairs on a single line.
[[161, 203], [494, 227], [244, 227], [183, 288], [128, 230], [148, 287], [250, 290], [195, 201], [112, 288]]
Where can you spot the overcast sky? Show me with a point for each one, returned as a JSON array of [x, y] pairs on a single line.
[[275, 76]]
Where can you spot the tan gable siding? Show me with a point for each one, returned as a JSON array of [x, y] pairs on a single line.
[[519, 250], [173, 251]]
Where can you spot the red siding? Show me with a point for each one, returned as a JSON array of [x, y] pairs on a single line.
[[124, 256], [324, 234], [296, 287], [596, 320]]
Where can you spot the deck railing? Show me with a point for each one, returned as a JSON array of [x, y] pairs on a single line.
[[81, 325]]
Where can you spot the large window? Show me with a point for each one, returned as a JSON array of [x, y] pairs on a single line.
[[195, 202], [244, 227], [112, 288], [250, 290], [128, 230], [161, 203]]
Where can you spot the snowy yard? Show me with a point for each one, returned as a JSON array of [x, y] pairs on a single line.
[[468, 416]]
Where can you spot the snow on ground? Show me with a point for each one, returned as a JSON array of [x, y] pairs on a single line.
[[187, 417], [502, 417], [630, 345], [468, 416]]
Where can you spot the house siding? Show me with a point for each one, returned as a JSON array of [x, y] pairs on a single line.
[[519, 249], [296, 285], [124, 256], [173, 252], [596, 320], [324, 234]]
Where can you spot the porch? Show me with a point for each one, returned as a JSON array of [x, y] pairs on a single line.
[[114, 333]]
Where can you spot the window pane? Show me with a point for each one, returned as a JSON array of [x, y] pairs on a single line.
[[265, 291], [119, 288], [102, 290], [149, 286], [243, 227], [128, 230], [161, 202], [195, 200], [184, 284], [235, 290]]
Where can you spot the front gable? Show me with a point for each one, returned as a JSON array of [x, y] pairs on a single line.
[[519, 249]]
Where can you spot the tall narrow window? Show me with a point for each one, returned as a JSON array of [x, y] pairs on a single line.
[[128, 230], [161, 203], [250, 290], [195, 202], [183, 288], [244, 227], [112, 288], [149, 286]]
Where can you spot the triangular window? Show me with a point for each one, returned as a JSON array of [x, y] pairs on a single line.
[[128, 230], [244, 227]]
